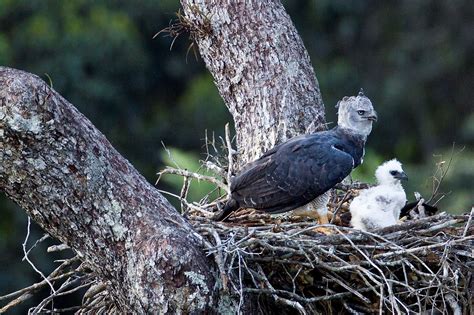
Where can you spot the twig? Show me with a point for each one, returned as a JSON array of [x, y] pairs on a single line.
[[304, 300], [186, 173], [54, 276], [68, 310], [16, 302], [188, 205], [230, 158], [468, 223], [57, 248], [44, 237], [184, 193], [393, 304], [437, 181], [36, 286], [220, 260], [29, 261], [170, 156], [291, 248], [348, 288]]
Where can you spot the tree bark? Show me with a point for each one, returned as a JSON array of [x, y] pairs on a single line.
[[58, 167], [261, 68]]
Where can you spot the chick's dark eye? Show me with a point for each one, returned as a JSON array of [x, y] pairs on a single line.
[[393, 172], [361, 112]]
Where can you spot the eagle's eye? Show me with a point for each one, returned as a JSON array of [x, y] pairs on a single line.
[[393, 172], [361, 112]]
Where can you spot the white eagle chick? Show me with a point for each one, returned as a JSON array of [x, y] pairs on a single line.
[[379, 206]]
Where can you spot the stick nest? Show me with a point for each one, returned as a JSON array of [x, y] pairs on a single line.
[[420, 265]]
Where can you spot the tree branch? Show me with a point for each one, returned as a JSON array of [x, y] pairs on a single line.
[[261, 68], [58, 167]]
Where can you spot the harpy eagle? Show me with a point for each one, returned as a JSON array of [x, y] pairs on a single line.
[[380, 206], [293, 174]]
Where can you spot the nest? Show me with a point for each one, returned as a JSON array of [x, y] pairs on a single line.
[[420, 265]]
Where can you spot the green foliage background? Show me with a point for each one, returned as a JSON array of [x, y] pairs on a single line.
[[413, 59]]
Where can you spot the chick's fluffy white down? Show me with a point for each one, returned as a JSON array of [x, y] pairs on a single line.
[[379, 206]]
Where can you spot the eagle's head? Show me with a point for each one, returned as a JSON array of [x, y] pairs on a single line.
[[356, 113], [390, 173]]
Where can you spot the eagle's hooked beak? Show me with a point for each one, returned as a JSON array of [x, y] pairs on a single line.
[[373, 117], [401, 176]]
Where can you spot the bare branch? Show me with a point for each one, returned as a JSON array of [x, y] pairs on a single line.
[[188, 174], [29, 261]]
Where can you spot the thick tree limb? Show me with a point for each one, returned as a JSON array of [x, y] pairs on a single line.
[[261, 68], [58, 167]]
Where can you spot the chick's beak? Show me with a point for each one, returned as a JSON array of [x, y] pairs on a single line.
[[373, 116], [401, 176]]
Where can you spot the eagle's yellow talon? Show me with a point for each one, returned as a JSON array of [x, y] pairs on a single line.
[[323, 230]]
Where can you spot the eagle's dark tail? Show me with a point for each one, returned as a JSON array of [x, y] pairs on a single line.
[[230, 206], [430, 210]]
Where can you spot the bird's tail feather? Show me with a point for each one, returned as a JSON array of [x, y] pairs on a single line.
[[431, 210], [230, 206]]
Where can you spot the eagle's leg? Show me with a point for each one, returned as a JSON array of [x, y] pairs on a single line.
[[321, 214], [320, 210], [317, 210]]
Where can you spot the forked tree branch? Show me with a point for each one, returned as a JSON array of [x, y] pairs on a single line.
[[69, 179]]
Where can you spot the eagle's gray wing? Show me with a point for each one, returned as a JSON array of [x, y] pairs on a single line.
[[294, 174]]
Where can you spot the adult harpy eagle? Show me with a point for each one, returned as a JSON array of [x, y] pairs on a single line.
[[294, 173], [380, 206]]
